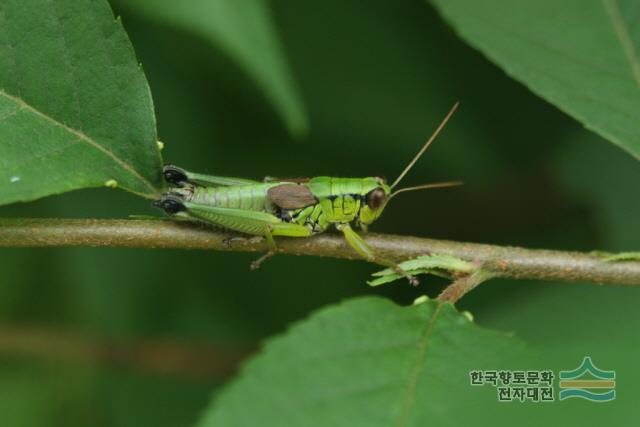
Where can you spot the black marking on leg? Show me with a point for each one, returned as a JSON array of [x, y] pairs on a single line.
[[174, 175], [285, 215], [170, 204]]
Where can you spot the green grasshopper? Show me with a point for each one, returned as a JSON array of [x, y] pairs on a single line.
[[293, 208]]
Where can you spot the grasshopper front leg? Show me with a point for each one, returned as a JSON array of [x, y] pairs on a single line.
[[364, 250]]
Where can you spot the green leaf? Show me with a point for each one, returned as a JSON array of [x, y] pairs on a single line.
[[436, 264], [581, 55], [622, 256], [372, 363], [243, 30], [75, 107]]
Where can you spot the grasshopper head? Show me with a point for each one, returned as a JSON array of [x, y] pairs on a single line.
[[374, 202]]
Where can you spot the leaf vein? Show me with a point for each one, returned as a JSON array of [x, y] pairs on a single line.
[[613, 11], [81, 136], [409, 395], [71, 69]]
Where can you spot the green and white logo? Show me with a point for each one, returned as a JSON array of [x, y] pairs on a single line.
[[588, 382]]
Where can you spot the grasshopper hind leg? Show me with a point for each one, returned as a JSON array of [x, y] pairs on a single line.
[[170, 204], [273, 249], [230, 241], [259, 224]]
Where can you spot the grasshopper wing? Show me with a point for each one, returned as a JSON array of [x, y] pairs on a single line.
[[291, 196], [294, 180]]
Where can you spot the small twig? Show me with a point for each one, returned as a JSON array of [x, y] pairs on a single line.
[[499, 261], [464, 284]]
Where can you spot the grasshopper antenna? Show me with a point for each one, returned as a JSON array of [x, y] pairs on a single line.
[[426, 187], [425, 146]]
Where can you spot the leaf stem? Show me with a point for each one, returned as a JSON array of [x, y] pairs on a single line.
[[464, 284], [498, 261]]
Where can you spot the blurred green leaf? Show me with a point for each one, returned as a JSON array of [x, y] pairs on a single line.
[[368, 362], [75, 107], [582, 56], [606, 181], [623, 256], [33, 395], [244, 30]]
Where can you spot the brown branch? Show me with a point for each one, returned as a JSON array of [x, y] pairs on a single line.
[[158, 357], [499, 261], [464, 284]]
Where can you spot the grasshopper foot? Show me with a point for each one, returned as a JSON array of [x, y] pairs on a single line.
[[229, 241], [413, 281], [257, 263]]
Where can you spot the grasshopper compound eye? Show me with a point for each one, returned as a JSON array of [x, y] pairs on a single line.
[[376, 198]]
